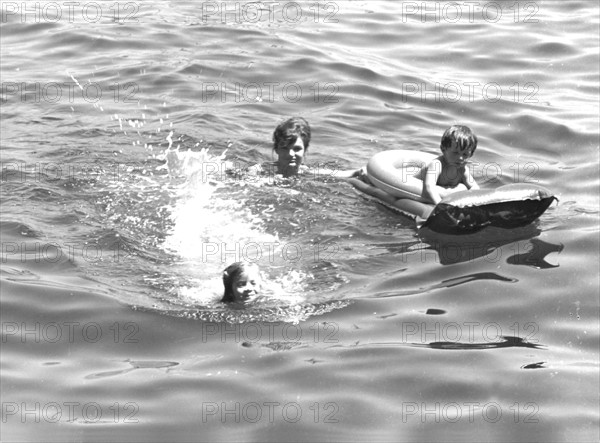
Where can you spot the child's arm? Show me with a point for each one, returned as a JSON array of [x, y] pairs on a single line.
[[432, 173], [468, 180], [347, 174], [323, 171]]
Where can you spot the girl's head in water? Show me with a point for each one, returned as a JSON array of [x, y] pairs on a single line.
[[242, 282], [290, 142]]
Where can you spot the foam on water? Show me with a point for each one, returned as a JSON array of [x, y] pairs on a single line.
[[184, 219], [214, 225]]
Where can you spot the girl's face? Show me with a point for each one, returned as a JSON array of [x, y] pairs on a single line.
[[290, 157], [246, 285]]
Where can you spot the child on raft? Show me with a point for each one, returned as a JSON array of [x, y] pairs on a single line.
[[242, 282], [450, 169]]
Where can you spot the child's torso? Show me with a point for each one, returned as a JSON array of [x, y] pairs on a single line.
[[451, 175]]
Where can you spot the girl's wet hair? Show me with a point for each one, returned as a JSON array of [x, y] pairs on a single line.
[[287, 132], [230, 274], [465, 139]]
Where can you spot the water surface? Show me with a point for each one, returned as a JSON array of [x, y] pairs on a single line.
[[113, 236]]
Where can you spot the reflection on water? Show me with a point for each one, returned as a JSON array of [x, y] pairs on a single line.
[[454, 281], [538, 365], [471, 278], [451, 249], [134, 365], [507, 342], [535, 254], [502, 342], [434, 311]]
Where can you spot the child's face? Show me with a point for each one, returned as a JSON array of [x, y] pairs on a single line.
[[290, 157], [455, 156], [247, 285]]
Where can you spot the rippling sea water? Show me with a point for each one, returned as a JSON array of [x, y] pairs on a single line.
[[114, 235]]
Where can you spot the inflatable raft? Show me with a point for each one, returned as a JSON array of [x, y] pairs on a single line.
[[392, 178]]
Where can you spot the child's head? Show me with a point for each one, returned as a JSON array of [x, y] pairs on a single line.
[[286, 133], [290, 142], [459, 140], [241, 281]]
